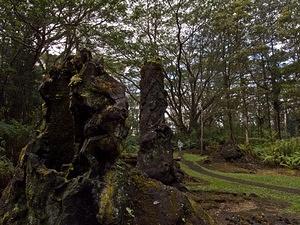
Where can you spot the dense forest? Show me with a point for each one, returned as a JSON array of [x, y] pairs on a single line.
[[231, 69]]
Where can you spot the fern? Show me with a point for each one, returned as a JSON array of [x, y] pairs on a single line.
[[284, 152]]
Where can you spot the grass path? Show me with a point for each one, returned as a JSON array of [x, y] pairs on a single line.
[[277, 188], [201, 170]]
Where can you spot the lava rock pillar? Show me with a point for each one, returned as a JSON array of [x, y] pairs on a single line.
[[155, 157], [58, 136]]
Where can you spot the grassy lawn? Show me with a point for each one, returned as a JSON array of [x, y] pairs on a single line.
[[190, 157], [215, 184], [278, 180]]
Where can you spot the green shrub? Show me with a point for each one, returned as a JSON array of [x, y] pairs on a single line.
[[255, 141], [281, 152], [189, 140], [131, 144], [6, 172], [6, 167], [13, 137], [248, 149], [215, 136]]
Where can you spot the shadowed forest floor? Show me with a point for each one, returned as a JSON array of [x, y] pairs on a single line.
[[242, 193]]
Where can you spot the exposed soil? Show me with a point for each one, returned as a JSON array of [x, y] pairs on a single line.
[[280, 170], [239, 209]]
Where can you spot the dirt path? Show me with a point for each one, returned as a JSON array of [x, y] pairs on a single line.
[[202, 170]]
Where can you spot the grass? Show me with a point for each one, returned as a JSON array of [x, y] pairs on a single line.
[[190, 157], [278, 180], [215, 184]]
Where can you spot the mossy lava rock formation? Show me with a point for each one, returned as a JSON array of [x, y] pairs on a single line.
[[84, 183], [155, 157]]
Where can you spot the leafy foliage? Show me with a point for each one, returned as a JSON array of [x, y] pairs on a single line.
[[6, 167], [281, 152], [13, 136], [131, 144], [231, 67], [6, 171], [189, 140]]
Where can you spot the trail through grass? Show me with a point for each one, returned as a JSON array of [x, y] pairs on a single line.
[[215, 184], [279, 180]]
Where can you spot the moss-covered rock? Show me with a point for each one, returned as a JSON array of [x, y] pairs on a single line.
[[42, 196], [128, 197], [97, 189]]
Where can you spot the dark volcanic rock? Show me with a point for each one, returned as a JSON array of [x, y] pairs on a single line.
[[131, 198], [155, 157], [100, 108], [230, 152], [97, 189], [58, 135]]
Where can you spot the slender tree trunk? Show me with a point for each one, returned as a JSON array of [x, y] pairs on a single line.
[[201, 131], [276, 106], [268, 113], [276, 89], [245, 109], [229, 108]]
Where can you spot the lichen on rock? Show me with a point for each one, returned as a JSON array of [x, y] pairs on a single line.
[[75, 80], [132, 198]]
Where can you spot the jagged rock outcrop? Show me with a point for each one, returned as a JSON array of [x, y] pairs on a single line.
[[155, 157], [100, 108], [97, 188], [131, 198], [56, 142]]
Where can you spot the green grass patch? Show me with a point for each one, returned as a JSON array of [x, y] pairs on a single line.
[[191, 157], [194, 157], [278, 180], [215, 184]]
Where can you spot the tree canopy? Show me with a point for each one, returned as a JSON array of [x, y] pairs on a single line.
[[231, 67]]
